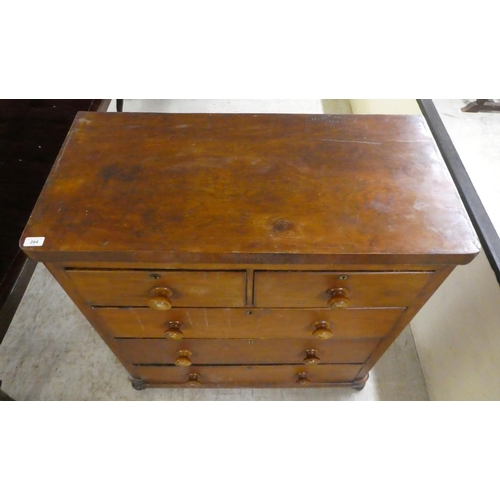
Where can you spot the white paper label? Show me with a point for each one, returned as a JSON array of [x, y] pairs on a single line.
[[36, 241]]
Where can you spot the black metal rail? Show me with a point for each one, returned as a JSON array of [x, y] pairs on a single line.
[[486, 232]]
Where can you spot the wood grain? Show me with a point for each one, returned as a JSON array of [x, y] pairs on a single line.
[[135, 288], [249, 188], [252, 351], [246, 223], [432, 285], [309, 289], [486, 231], [249, 323], [248, 376]]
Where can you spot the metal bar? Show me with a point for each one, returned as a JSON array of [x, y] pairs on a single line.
[[486, 232]]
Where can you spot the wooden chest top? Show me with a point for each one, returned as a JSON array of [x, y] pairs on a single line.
[[134, 187]]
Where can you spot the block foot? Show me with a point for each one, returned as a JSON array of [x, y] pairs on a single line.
[[138, 384], [359, 384], [3, 396]]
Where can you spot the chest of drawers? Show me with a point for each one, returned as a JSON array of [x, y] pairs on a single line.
[[249, 250]]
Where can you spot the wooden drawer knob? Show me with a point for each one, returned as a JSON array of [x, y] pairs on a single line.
[[193, 380], [183, 358], [174, 330], [321, 330], [302, 379], [311, 357], [338, 298], [160, 300]]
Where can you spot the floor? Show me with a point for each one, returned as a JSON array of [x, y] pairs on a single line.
[[51, 352], [476, 139]]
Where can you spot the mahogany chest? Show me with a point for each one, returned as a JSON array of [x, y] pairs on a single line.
[[214, 250]]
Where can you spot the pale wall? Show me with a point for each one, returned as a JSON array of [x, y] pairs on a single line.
[[385, 106], [457, 334]]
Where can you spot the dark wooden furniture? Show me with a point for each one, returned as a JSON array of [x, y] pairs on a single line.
[[32, 132], [249, 250]]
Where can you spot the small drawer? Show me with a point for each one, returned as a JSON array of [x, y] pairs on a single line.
[[247, 376], [195, 323], [242, 352], [138, 288], [327, 289]]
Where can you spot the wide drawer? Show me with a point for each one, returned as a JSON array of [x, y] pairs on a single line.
[[260, 376], [136, 288], [312, 289], [248, 323], [238, 352]]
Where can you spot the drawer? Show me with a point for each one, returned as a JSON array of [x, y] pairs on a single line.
[[239, 352], [248, 323], [234, 376], [311, 289], [137, 288]]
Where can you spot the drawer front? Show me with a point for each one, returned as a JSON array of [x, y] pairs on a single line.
[[136, 288], [248, 375], [310, 289], [238, 352], [248, 323]]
